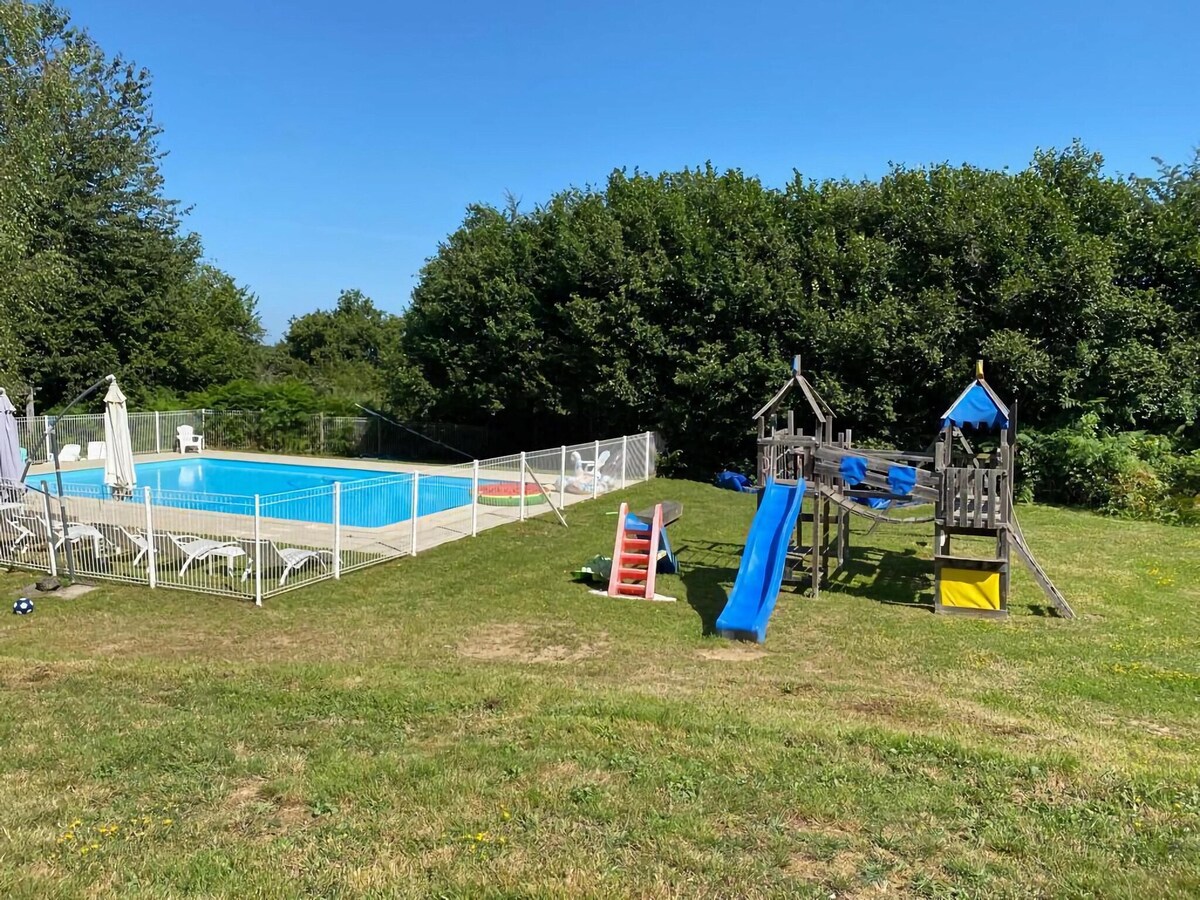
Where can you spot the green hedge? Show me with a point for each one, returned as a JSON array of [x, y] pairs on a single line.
[[1130, 473]]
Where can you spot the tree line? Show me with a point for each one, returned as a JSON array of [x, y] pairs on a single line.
[[671, 301], [676, 302]]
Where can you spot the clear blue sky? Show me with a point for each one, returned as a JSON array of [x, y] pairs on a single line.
[[333, 145]]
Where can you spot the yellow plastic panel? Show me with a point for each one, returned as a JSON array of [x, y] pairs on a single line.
[[970, 588]]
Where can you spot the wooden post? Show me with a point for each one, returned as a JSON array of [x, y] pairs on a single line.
[[595, 470], [646, 470], [624, 455], [814, 556]]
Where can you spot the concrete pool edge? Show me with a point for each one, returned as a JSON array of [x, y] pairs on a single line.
[[384, 466]]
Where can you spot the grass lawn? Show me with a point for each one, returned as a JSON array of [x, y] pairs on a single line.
[[472, 723]]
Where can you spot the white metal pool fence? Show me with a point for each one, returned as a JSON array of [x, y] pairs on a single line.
[[257, 546]]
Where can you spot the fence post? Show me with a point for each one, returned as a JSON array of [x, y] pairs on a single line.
[[595, 470], [49, 529], [49, 448], [646, 467], [624, 454], [157, 434], [257, 551], [337, 529], [151, 553], [562, 476], [522, 477], [416, 499], [474, 498], [321, 427]]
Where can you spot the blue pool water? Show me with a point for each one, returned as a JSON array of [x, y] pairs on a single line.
[[226, 485]]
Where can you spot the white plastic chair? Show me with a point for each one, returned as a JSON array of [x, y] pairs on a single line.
[[126, 540], [186, 439], [14, 535], [97, 450], [171, 548], [69, 453], [75, 532], [284, 560]]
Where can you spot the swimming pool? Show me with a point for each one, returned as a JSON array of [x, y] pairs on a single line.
[[370, 498]]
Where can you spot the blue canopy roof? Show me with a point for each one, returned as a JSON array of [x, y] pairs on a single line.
[[978, 407]]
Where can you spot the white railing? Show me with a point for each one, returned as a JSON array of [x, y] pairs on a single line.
[[257, 546]]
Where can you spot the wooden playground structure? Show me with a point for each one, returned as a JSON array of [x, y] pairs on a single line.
[[971, 494]]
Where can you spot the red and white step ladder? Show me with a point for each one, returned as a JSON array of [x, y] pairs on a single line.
[[635, 558]]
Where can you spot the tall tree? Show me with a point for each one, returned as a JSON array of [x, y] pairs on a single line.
[[675, 302], [347, 348], [102, 269]]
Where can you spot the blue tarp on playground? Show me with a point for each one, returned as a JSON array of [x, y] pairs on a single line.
[[977, 408], [853, 470], [734, 481], [901, 479]]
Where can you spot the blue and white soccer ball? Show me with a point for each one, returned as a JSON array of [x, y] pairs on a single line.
[[23, 607]]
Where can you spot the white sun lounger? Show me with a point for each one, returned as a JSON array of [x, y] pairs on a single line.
[[75, 532], [170, 548], [284, 560]]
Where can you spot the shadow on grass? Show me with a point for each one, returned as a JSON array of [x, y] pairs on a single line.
[[898, 578], [706, 568]]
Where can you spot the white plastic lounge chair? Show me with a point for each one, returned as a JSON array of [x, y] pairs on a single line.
[[186, 439], [97, 450], [69, 453], [171, 548], [14, 535], [75, 532], [125, 540], [284, 560]]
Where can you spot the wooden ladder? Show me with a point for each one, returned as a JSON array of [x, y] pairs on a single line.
[[635, 558]]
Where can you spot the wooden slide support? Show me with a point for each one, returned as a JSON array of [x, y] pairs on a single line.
[[1035, 569]]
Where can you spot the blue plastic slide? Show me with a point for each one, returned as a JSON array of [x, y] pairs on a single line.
[[760, 574]]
